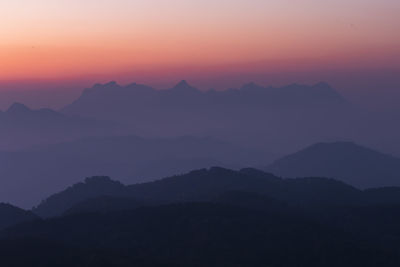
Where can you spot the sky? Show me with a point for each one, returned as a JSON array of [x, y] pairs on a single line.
[[160, 40]]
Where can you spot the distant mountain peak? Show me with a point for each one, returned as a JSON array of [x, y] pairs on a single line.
[[184, 86], [183, 83], [18, 108], [110, 84], [347, 161]]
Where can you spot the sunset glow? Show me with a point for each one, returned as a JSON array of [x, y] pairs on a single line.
[[52, 39]]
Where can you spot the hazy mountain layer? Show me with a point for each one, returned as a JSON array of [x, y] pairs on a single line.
[[21, 127], [29, 175], [351, 163]]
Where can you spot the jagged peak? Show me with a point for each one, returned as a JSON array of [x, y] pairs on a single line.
[[111, 83], [18, 108], [184, 85], [106, 85]]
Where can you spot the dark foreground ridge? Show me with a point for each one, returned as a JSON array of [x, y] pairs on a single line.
[[210, 217], [208, 184]]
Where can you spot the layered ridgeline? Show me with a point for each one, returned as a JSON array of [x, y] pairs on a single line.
[[210, 217], [346, 161], [214, 184], [29, 175], [136, 102], [274, 118], [132, 159], [21, 127]]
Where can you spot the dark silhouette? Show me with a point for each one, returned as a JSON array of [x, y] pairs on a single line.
[[10, 215], [210, 217], [206, 234], [215, 184]]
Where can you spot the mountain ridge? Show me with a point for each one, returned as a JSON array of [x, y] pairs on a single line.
[[348, 161], [209, 184]]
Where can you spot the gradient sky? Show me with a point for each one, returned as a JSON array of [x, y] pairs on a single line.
[[52, 39]]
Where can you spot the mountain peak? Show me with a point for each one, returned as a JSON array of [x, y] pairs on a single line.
[[18, 108], [110, 84], [184, 85], [348, 161]]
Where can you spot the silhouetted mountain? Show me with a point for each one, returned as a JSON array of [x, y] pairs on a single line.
[[17, 109], [134, 97], [32, 174], [208, 184], [184, 87], [252, 115], [197, 234], [10, 215], [249, 187], [91, 188], [212, 185], [211, 217], [351, 163], [22, 127]]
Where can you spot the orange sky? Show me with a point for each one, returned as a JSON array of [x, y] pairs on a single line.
[[46, 39]]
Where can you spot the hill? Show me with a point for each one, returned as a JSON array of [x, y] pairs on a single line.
[[130, 159], [10, 215], [346, 161], [209, 185], [196, 234]]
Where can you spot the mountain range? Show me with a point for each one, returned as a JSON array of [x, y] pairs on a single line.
[[209, 217], [129, 99], [134, 159], [185, 129], [250, 116], [274, 119], [28, 175], [209, 185]]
